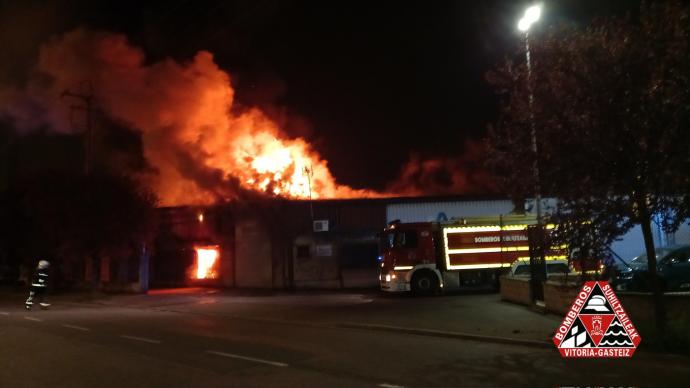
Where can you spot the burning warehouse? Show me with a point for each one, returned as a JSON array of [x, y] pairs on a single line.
[[270, 244], [277, 243], [191, 247], [285, 244], [238, 195]]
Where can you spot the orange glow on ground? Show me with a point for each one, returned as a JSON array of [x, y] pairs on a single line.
[[206, 259], [182, 291]]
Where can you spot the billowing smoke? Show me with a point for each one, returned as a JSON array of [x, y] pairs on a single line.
[[465, 174], [201, 144]]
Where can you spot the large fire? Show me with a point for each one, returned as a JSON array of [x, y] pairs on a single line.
[[284, 167], [202, 146], [206, 262]]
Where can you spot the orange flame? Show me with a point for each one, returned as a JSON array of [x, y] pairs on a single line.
[[266, 162], [200, 145], [206, 258]]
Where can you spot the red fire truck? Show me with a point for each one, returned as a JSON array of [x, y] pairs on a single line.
[[425, 257]]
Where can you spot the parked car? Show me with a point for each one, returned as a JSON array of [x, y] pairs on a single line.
[[520, 268], [673, 269], [640, 262]]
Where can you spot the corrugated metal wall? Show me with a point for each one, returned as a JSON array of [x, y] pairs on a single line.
[[436, 211]]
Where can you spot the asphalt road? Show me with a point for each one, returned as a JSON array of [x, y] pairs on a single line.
[[206, 340]]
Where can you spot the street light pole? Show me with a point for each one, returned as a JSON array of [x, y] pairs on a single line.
[[533, 130], [532, 14]]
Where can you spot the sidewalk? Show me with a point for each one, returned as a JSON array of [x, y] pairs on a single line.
[[473, 314]]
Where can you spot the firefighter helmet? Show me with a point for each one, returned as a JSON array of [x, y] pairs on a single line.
[[43, 264]]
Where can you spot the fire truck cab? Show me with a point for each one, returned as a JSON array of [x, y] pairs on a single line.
[[427, 257], [407, 250]]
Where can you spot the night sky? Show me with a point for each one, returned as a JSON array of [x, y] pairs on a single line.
[[368, 83]]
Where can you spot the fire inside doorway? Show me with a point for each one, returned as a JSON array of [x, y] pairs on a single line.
[[206, 266]]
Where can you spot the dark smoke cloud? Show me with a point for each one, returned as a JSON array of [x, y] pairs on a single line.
[[464, 174], [199, 144]]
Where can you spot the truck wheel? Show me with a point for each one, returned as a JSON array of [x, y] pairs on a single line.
[[424, 283]]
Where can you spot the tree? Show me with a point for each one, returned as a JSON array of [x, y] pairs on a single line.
[[612, 112], [50, 209], [71, 217]]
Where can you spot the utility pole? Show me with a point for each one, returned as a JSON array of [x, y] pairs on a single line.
[[87, 99], [308, 172], [92, 268]]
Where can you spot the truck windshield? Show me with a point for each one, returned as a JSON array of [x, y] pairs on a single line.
[[399, 239], [387, 241]]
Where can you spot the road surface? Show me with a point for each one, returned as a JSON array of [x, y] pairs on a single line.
[[213, 339]]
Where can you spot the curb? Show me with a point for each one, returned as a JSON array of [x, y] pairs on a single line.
[[449, 334]]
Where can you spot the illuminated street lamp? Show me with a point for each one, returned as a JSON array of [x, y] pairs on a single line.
[[531, 16]]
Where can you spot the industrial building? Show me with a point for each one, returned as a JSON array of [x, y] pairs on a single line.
[[324, 244], [297, 244]]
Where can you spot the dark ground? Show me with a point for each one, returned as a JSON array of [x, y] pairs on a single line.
[[209, 338]]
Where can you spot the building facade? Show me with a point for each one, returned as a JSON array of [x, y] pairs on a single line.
[[325, 244]]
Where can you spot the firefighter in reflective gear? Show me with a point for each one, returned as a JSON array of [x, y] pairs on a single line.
[[39, 285]]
